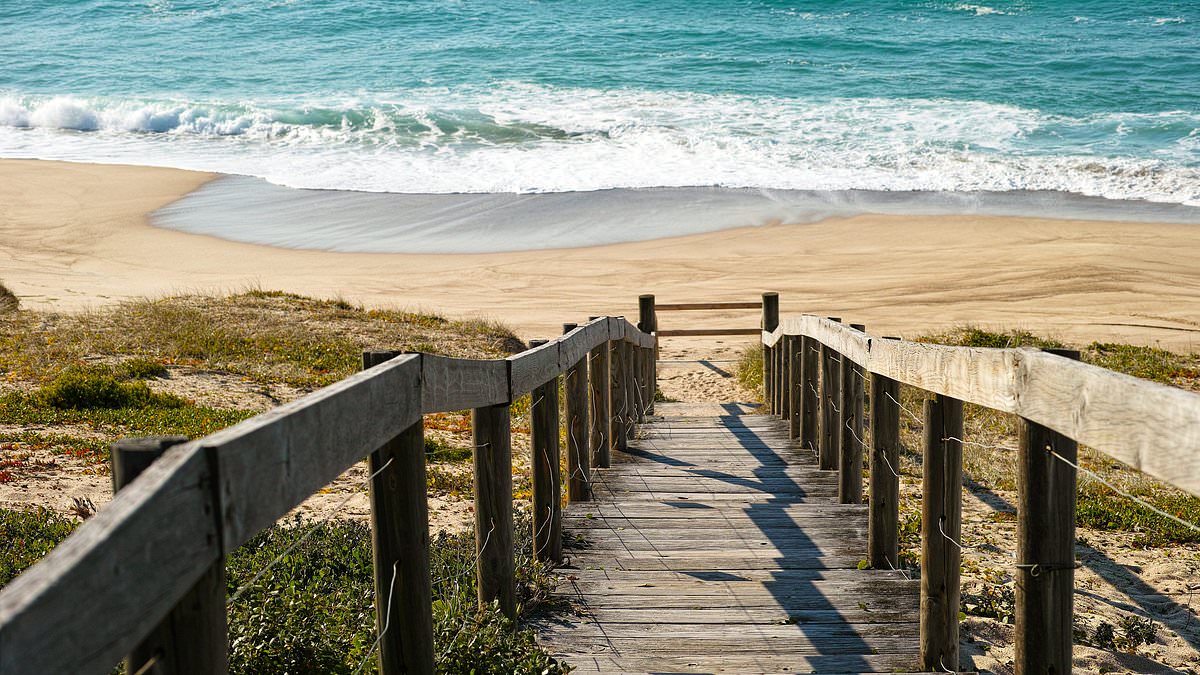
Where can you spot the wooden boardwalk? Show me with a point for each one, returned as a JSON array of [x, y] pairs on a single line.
[[716, 545]]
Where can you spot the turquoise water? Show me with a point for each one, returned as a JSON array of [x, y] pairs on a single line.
[[1098, 98]]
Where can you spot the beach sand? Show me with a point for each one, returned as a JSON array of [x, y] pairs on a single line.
[[76, 236]]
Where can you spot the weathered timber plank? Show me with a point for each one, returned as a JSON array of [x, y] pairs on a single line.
[[84, 606], [768, 664], [686, 306], [701, 580], [532, 368], [272, 462], [748, 616], [1151, 427], [694, 564], [459, 384], [820, 638]]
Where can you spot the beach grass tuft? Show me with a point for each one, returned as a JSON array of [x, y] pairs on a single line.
[[8, 300], [266, 336]]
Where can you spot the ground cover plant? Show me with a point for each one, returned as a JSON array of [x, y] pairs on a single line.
[[190, 365]]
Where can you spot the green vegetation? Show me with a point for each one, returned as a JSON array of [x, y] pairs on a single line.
[[438, 451], [748, 370], [85, 388], [266, 336], [313, 611], [1100, 508], [1146, 362], [8, 300], [86, 380], [27, 537]]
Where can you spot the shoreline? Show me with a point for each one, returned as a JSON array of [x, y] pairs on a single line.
[[254, 211], [78, 236]]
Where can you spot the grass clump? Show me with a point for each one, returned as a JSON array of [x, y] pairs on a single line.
[[87, 388], [1149, 363], [438, 451], [971, 336], [748, 370], [8, 300]]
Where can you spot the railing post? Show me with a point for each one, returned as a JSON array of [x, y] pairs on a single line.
[[578, 459], [882, 535], [780, 384], [631, 392], [785, 377], [795, 390], [770, 321], [547, 480], [1045, 547], [648, 323], [810, 409], [617, 437], [941, 523], [491, 435], [831, 407], [400, 547], [194, 636], [850, 461], [598, 385]]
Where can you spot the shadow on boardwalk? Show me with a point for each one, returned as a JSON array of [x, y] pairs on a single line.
[[716, 545]]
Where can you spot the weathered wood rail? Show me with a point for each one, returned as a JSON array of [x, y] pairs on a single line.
[[814, 372], [143, 579]]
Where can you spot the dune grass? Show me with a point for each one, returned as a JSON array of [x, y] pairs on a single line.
[[8, 300]]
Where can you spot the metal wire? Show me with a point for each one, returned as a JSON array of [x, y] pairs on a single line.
[[1114, 488], [386, 624], [312, 530]]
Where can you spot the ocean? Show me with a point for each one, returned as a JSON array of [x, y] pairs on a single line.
[[783, 108]]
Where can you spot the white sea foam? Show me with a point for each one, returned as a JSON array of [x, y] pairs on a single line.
[[523, 138]]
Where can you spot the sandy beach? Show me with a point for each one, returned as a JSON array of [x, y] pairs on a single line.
[[75, 236]]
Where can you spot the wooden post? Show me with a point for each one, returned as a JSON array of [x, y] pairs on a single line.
[[193, 637], [578, 460], [770, 321], [810, 408], [620, 405], [1045, 547], [491, 435], [637, 368], [547, 485], [631, 392], [400, 547], [882, 535], [831, 407], [941, 522], [648, 323], [850, 460], [785, 377], [598, 386], [795, 386]]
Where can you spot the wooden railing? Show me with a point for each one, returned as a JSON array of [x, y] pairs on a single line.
[[144, 577], [814, 375], [648, 308]]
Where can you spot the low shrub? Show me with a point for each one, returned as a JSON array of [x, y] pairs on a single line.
[[27, 537], [86, 388]]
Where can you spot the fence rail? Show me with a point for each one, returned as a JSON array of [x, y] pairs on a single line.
[[814, 369], [134, 567]]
